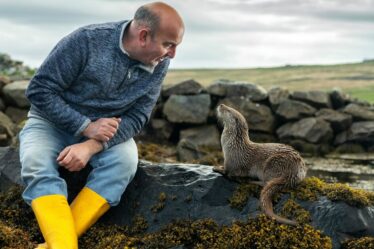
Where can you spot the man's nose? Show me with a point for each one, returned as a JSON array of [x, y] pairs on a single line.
[[171, 52]]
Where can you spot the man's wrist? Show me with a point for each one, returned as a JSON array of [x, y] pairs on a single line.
[[94, 145]]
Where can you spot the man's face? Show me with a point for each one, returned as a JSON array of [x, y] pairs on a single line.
[[161, 45]]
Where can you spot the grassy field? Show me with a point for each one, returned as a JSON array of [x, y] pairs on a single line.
[[356, 79]]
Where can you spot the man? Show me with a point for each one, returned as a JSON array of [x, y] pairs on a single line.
[[93, 93]]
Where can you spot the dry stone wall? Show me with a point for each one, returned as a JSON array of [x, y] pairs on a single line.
[[314, 122]]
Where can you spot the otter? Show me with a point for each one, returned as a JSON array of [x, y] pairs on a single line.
[[273, 165]]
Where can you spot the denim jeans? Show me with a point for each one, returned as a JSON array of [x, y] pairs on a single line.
[[40, 144]]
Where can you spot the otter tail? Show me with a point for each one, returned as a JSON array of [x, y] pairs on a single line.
[[273, 186]]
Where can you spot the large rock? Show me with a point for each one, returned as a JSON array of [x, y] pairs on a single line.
[[312, 130], [277, 95], [196, 142], [339, 121], [162, 193], [258, 116], [317, 99], [339, 99], [193, 109], [226, 88], [293, 109], [361, 132], [187, 87], [359, 113], [14, 93]]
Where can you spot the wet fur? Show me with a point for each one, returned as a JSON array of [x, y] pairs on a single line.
[[275, 165]]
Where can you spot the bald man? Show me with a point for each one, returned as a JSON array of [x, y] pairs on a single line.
[[92, 94]]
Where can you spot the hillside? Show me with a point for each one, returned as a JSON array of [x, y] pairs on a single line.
[[356, 79]]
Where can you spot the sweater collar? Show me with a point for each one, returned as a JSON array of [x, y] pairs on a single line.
[[146, 68]]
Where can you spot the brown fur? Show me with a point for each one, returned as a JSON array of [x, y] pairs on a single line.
[[275, 165]]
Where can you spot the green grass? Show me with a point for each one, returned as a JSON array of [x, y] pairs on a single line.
[[356, 79]]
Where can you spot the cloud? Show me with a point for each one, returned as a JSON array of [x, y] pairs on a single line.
[[219, 33]]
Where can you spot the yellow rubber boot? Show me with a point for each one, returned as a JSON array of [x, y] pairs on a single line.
[[55, 221], [86, 209]]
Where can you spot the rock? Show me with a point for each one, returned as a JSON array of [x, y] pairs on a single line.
[[361, 132], [338, 121], [4, 80], [359, 113], [187, 87], [277, 95], [260, 137], [196, 142], [162, 193], [2, 105], [293, 109], [192, 109], [14, 93], [309, 148], [339, 99], [258, 116], [226, 88], [308, 129], [8, 130], [317, 99], [349, 148], [162, 128], [17, 115]]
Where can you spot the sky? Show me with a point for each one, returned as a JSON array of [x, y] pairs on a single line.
[[219, 33]]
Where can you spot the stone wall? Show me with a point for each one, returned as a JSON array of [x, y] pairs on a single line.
[[314, 122]]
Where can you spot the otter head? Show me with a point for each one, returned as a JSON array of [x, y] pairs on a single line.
[[231, 118]]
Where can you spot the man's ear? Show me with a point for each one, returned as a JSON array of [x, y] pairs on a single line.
[[143, 35]]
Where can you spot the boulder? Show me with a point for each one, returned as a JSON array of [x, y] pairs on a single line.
[[14, 93], [277, 95], [163, 193], [196, 142], [258, 116], [361, 132], [293, 109], [226, 88], [338, 121], [161, 128], [187, 87], [312, 130], [317, 99], [339, 99], [17, 115], [191, 109], [359, 112]]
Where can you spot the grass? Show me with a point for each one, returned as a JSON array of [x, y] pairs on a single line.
[[356, 79]]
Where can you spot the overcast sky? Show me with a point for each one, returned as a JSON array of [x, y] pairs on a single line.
[[219, 33]]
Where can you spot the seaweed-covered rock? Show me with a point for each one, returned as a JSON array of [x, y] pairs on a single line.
[[161, 194]]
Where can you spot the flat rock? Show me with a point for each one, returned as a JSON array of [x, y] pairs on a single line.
[[187, 87], [359, 112], [317, 99], [227, 88], [338, 121]]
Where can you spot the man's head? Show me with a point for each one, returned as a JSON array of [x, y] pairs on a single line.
[[156, 31]]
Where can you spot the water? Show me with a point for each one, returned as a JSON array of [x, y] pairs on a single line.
[[357, 170]]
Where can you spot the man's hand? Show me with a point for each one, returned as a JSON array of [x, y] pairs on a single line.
[[102, 129], [75, 157]]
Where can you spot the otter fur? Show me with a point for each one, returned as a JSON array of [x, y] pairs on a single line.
[[274, 165]]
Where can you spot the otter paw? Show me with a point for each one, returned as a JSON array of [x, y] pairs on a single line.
[[219, 169]]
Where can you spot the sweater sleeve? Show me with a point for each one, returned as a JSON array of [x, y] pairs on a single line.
[[59, 70], [138, 115]]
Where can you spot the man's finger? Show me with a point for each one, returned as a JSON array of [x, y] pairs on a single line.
[[63, 153]]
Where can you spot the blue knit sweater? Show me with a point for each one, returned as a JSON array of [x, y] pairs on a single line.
[[88, 76]]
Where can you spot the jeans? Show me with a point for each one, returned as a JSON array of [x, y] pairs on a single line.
[[40, 144]]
